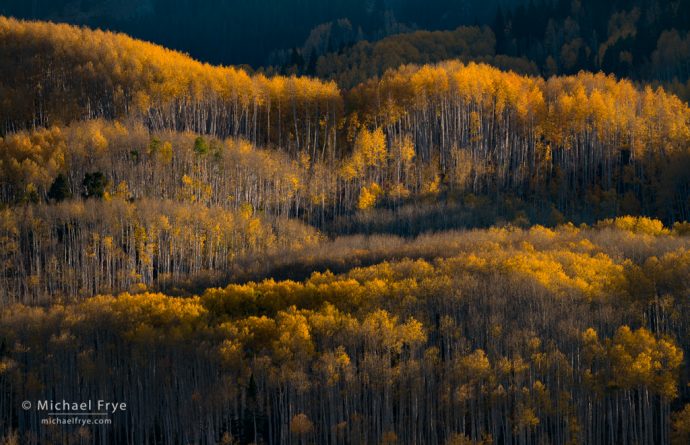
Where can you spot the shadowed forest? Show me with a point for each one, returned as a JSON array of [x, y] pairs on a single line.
[[431, 234]]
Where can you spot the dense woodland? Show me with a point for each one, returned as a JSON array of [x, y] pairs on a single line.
[[257, 258], [504, 336], [75, 74], [585, 144], [643, 40], [366, 60]]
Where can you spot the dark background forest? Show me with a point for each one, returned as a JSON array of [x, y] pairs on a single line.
[[560, 36], [247, 32]]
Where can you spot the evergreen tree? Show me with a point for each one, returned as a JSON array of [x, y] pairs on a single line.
[[94, 185], [59, 189]]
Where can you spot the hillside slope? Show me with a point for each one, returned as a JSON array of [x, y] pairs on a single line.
[[587, 146], [62, 73], [365, 60], [246, 32], [244, 259]]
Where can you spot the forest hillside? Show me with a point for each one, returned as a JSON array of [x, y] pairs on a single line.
[[449, 248], [586, 146]]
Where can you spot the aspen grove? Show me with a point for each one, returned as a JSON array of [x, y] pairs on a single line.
[[444, 253]]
